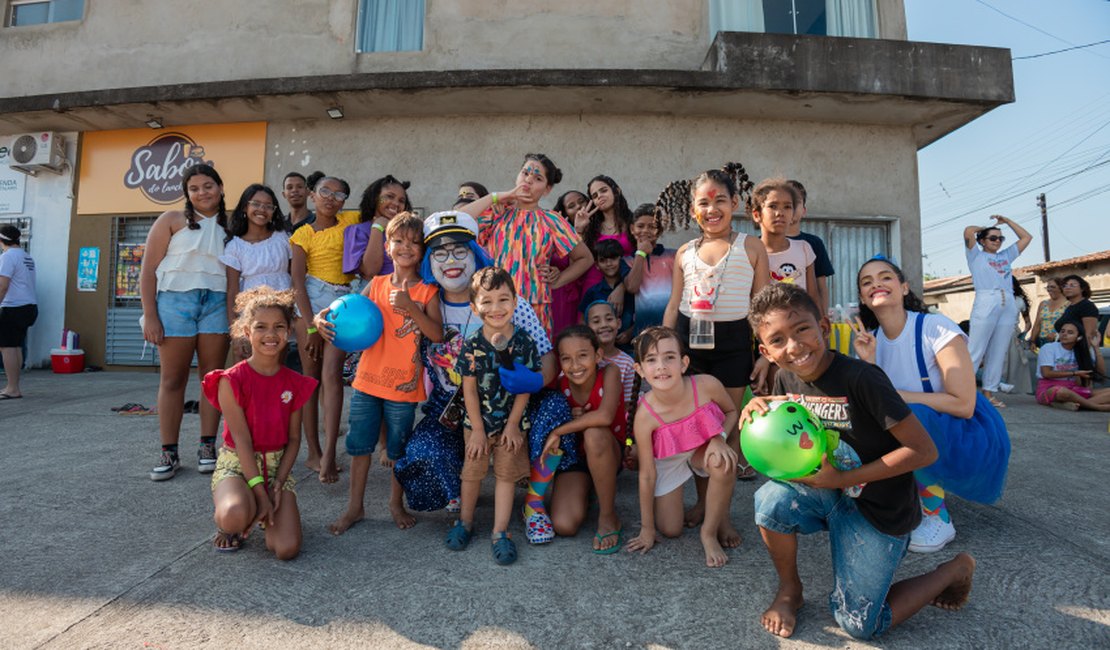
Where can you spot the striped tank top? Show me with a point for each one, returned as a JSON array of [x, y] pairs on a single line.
[[735, 288]]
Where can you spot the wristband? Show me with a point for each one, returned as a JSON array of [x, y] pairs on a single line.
[[255, 481], [641, 254], [494, 195], [312, 330], [379, 227]]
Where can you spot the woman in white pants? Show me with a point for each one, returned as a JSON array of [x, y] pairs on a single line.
[[994, 314]]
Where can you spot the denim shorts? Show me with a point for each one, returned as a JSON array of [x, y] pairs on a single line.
[[188, 313], [367, 414], [863, 559], [321, 293]]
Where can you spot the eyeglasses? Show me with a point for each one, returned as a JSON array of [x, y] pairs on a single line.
[[443, 253], [325, 193], [265, 207], [997, 238]]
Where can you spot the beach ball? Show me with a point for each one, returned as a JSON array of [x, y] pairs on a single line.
[[357, 320], [785, 443]]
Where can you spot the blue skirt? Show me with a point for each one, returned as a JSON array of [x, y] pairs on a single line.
[[547, 410], [973, 453]]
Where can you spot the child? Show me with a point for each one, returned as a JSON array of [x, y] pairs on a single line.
[[364, 244], [601, 422], [261, 401], [566, 299], [613, 271], [822, 264], [681, 432], [257, 251], [495, 421], [651, 270], [869, 533], [602, 319], [389, 381], [772, 204], [318, 279], [1065, 369]]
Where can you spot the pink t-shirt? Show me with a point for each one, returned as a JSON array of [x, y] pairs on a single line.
[[268, 402]]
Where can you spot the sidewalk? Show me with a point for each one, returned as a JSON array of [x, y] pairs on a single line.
[[97, 555]]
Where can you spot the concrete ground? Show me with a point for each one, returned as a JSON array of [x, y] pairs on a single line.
[[96, 555]]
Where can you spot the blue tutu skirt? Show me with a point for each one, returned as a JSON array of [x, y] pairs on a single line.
[[974, 453], [547, 410]]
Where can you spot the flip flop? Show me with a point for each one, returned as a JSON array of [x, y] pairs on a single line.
[[4, 396], [235, 541], [996, 403], [614, 548], [130, 406]]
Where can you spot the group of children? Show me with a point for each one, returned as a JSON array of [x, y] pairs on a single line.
[[473, 297]]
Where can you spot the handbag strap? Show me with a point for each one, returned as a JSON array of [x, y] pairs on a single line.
[[918, 326]]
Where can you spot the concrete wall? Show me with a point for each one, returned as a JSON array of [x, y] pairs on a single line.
[[838, 163], [48, 201], [131, 43]]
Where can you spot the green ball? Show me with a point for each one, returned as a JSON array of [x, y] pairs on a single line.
[[785, 443]]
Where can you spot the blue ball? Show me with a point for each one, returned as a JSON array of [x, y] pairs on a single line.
[[357, 320]]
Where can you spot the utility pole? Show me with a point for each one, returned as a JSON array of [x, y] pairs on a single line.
[[1044, 226]]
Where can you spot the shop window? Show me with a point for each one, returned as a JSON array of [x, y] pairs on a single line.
[[24, 225], [821, 17], [124, 338], [390, 26], [38, 12]]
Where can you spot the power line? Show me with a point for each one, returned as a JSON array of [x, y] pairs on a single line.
[[1066, 49], [1030, 26]]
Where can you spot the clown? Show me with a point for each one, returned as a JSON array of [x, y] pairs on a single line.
[[429, 470]]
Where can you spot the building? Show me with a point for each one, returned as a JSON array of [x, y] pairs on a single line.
[[828, 92]]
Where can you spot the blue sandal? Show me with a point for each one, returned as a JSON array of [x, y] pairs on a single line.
[[458, 538], [504, 550]]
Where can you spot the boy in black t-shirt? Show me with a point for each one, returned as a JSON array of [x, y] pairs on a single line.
[[869, 528]]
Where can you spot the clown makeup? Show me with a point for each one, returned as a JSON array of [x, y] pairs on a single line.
[[452, 265]]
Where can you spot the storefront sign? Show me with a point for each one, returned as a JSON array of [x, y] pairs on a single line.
[[13, 185], [88, 268], [140, 171]]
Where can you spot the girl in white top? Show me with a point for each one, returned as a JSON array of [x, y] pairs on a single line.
[[926, 358], [257, 253], [994, 313], [772, 205], [183, 285]]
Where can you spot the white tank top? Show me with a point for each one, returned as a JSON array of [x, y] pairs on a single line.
[[192, 259], [735, 287]]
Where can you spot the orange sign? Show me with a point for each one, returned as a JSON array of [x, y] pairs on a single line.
[[139, 170]]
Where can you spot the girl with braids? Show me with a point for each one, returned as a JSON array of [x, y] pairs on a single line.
[[257, 251], [927, 360], [364, 243], [522, 237], [183, 288], [318, 279], [720, 270], [565, 299], [610, 218], [261, 401]]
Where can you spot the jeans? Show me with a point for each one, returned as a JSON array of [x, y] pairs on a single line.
[[863, 559], [367, 414]]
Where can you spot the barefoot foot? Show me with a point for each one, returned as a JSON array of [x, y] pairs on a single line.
[[694, 516], [728, 536], [781, 616], [329, 471], [313, 463], [715, 556], [956, 594], [403, 518], [345, 521]]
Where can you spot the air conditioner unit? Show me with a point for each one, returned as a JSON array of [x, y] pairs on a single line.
[[31, 152]]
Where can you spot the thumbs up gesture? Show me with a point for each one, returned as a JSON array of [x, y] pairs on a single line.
[[400, 300]]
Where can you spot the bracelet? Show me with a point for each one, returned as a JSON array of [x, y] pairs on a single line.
[[255, 481], [312, 330], [641, 254], [494, 195], [379, 227]]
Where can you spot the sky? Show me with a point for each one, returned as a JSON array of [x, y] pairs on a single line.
[[1054, 138]]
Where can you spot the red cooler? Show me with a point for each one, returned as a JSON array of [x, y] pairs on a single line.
[[67, 361]]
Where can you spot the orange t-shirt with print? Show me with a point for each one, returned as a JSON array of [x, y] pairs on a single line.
[[391, 368]]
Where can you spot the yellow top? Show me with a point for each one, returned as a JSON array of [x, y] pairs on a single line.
[[324, 248]]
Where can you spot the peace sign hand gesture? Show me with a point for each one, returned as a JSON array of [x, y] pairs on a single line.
[[863, 341]]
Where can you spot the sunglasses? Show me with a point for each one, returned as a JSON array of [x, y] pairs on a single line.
[[997, 238]]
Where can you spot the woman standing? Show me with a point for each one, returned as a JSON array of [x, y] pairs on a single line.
[[1048, 312], [18, 306], [1080, 309], [183, 288], [994, 313]]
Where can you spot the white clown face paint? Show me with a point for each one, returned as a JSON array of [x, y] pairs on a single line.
[[452, 265]]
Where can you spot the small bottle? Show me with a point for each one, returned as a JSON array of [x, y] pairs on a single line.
[[701, 328]]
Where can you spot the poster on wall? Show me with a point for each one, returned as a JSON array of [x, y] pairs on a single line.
[[140, 171], [129, 262], [13, 186], [88, 268]]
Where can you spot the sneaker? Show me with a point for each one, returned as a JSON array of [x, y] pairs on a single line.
[[206, 458], [1005, 388], [166, 468], [453, 506], [931, 535]]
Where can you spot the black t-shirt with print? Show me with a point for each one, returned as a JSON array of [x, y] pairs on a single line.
[[858, 400]]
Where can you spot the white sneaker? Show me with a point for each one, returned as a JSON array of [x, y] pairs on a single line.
[[1005, 388], [931, 535]]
